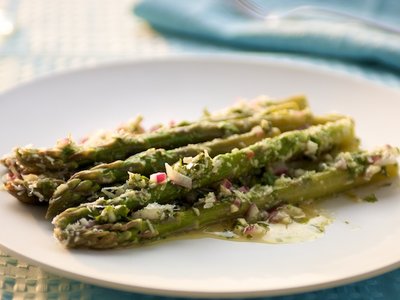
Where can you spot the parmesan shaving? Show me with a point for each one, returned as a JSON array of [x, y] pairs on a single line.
[[178, 178]]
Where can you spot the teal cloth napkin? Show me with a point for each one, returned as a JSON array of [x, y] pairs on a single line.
[[223, 22]]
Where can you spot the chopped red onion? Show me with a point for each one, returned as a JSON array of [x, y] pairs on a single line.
[[281, 170], [160, 177], [250, 154], [249, 229], [84, 140], [252, 212], [244, 189], [155, 127], [237, 202], [227, 184]]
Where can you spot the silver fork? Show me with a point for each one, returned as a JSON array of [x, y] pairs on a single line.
[[261, 9]]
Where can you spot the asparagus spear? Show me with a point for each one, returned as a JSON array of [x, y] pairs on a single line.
[[260, 104], [132, 127], [153, 160], [118, 170], [247, 108], [203, 170], [32, 188], [38, 189], [85, 183], [69, 156], [349, 170], [29, 191]]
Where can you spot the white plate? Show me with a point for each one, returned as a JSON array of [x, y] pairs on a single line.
[[179, 88]]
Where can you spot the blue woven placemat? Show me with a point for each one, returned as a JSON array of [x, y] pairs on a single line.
[[19, 280]]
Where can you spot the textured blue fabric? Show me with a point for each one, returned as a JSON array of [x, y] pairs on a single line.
[[221, 21], [384, 287]]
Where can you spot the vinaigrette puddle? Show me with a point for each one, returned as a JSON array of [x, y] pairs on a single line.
[[311, 227]]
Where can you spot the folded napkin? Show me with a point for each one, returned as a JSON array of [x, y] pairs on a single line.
[[225, 22]]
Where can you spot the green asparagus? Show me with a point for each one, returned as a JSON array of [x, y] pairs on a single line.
[[202, 170], [156, 222], [261, 104], [285, 119], [153, 160], [132, 127], [86, 183], [78, 189], [68, 155], [32, 188]]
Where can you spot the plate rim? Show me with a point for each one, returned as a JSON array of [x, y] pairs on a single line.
[[230, 58], [297, 64]]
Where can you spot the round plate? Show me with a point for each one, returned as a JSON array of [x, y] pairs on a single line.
[[361, 242]]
